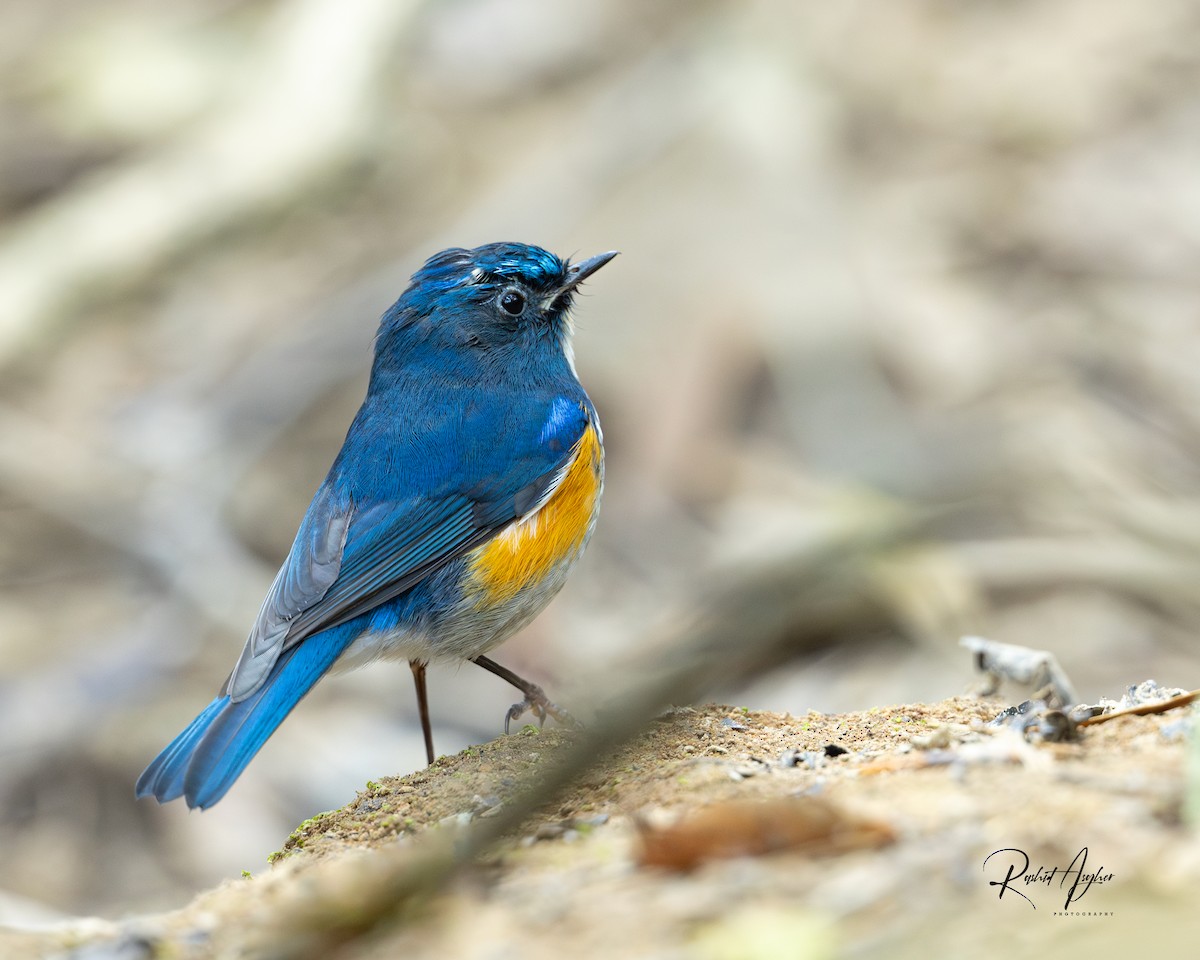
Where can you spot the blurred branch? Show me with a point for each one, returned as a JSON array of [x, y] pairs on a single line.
[[293, 125], [1113, 562]]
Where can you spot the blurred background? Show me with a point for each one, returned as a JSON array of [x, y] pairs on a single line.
[[927, 254]]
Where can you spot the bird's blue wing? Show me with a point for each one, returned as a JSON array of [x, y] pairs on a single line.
[[354, 552], [311, 567], [391, 545]]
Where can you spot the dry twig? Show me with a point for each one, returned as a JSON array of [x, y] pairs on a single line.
[[1144, 709]]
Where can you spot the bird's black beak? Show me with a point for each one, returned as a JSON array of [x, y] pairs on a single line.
[[578, 272]]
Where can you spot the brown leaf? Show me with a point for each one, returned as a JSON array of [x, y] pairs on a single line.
[[750, 828]]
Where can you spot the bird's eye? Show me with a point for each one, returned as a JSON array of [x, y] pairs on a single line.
[[512, 302]]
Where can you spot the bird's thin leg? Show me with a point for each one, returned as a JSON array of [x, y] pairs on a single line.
[[535, 697], [418, 670]]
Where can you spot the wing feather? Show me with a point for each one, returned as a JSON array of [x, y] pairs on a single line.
[[351, 555]]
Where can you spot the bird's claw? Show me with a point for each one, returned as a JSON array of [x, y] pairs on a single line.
[[542, 707]]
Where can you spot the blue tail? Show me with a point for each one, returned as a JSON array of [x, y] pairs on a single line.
[[202, 763]]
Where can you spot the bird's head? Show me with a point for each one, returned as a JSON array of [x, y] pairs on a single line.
[[493, 298]]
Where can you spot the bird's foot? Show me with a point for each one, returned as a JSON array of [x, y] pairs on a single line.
[[535, 698], [542, 707]]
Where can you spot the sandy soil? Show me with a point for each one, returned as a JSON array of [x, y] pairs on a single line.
[[920, 797]]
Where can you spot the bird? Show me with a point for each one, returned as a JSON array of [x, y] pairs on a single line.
[[467, 486]]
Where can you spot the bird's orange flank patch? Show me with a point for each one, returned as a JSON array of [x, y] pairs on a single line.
[[529, 549]]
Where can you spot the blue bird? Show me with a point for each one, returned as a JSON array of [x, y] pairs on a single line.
[[466, 488]]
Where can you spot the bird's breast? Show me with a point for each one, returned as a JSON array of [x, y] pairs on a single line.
[[536, 549]]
